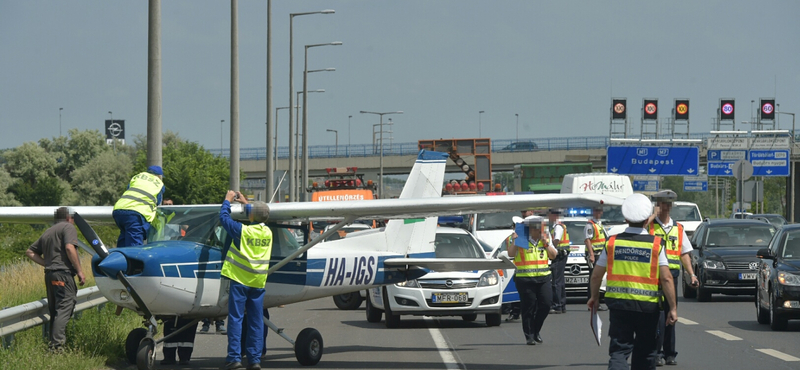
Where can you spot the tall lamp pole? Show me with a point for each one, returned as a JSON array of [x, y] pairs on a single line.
[[517, 114], [291, 93], [113, 140], [305, 114], [479, 122], [298, 157], [221, 134], [337, 139], [791, 164], [59, 120], [380, 179], [348, 132]]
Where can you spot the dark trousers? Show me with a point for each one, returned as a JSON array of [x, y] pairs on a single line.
[[666, 333], [266, 332], [559, 288], [61, 293], [535, 300], [632, 332], [132, 228], [244, 298], [182, 343], [591, 268]]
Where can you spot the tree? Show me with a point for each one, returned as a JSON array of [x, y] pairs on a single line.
[[102, 180], [192, 175], [6, 198], [76, 151]]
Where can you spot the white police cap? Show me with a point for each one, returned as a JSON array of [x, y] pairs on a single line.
[[637, 208]]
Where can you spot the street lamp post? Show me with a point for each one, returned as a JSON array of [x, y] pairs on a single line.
[[221, 134], [380, 179], [113, 139], [517, 114], [479, 122], [291, 93], [348, 132], [59, 120], [791, 164], [298, 157], [305, 113], [337, 139]]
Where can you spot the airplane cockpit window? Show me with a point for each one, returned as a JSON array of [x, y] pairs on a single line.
[[192, 224], [496, 221], [284, 241]]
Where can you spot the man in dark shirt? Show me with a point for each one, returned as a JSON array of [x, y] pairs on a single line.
[[55, 250]]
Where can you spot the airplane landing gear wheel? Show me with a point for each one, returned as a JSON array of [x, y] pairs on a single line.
[[146, 355], [132, 343], [308, 347]]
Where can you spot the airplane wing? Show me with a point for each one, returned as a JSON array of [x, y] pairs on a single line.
[[453, 264], [379, 209]]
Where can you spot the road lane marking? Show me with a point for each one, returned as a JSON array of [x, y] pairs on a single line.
[[686, 321], [778, 354], [444, 349], [723, 335]]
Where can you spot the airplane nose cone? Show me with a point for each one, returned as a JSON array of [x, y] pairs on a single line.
[[115, 262]]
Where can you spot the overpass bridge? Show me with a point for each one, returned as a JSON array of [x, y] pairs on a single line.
[[398, 158]]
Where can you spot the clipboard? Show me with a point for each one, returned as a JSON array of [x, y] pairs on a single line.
[[596, 324]]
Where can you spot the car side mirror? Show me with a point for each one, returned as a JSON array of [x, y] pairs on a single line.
[[764, 253]]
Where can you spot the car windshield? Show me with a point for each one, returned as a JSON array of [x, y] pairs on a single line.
[[612, 215], [791, 250], [739, 236], [684, 213], [457, 246], [496, 221], [575, 231], [775, 220]]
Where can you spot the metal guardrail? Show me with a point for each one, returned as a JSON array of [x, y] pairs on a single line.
[[366, 150], [35, 313]]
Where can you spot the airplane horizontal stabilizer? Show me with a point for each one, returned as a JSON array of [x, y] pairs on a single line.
[[452, 264]]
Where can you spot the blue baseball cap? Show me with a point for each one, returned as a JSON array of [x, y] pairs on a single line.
[[155, 170]]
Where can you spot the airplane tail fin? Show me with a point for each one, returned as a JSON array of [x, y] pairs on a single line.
[[415, 237]]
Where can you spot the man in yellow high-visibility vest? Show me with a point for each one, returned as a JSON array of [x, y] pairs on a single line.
[[678, 247], [246, 265], [136, 208], [531, 253], [637, 266]]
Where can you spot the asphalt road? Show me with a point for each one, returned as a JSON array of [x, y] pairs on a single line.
[[722, 334]]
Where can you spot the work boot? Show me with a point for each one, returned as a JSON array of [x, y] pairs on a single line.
[[671, 360], [205, 328], [221, 329], [538, 338], [529, 340], [660, 361], [254, 366], [233, 365]]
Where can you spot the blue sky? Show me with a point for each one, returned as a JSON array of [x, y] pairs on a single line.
[[555, 63]]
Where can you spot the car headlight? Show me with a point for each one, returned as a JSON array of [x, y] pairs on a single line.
[[408, 284], [786, 278], [713, 265], [489, 278]]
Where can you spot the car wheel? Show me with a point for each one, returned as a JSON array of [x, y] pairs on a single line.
[[493, 319], [703, 295], [470, 318], [688, 292], [373, 314], [392, 320], [777, 323], [349, 301], [762, 315]]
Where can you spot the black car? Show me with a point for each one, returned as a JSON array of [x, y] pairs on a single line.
[[775, 219], [778, 283], [520, 146], [724, 257]]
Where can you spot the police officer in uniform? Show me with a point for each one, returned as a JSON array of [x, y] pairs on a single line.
[[636, 263], [245, 266], [594, 241], [678, 247], [136, 208], [533, 277], [560, 239]]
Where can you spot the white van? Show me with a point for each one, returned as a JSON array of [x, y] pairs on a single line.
[[600, 183]]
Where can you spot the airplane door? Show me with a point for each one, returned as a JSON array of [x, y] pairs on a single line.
[[290, 279]]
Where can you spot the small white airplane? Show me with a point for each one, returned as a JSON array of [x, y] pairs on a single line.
[[179, 275]]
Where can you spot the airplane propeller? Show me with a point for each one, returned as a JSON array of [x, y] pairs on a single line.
[[91, 236]]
